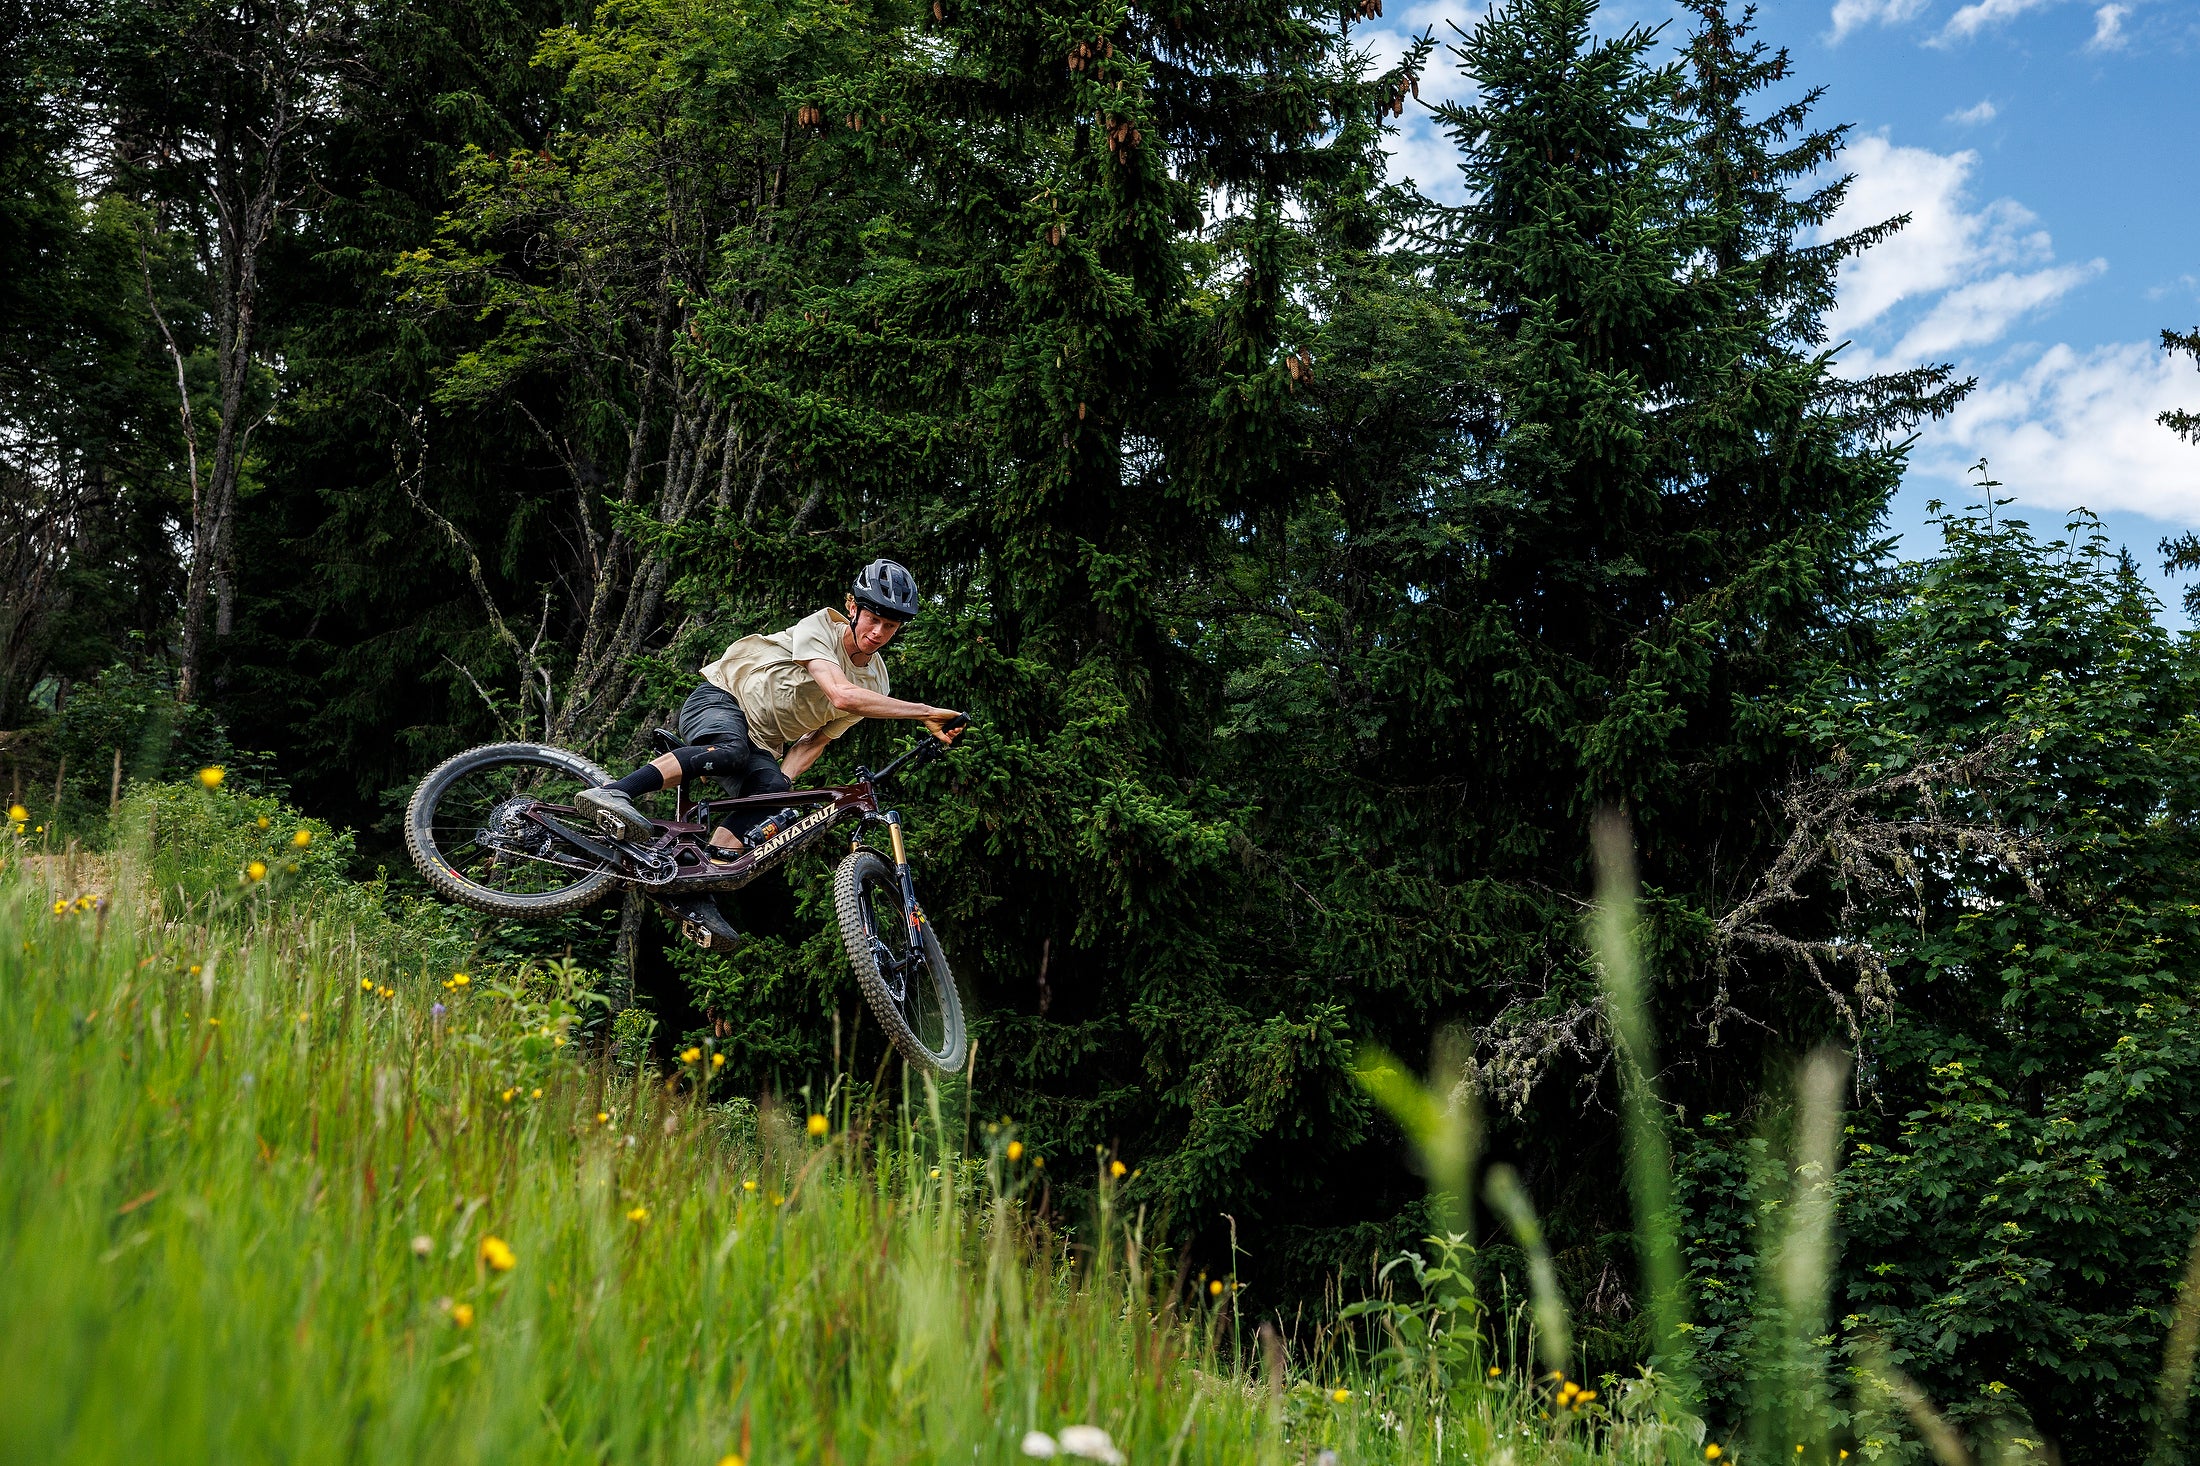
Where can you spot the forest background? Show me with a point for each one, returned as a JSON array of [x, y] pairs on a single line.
[[387, 377]]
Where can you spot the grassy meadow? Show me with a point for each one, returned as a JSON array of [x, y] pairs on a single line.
[[276, 1184]]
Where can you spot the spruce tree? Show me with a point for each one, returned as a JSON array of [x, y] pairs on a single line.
[[1596, 578]]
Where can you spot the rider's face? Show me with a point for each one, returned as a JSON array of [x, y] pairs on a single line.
[[870, 631]]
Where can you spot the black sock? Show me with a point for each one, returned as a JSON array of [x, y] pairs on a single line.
[[644, 780]]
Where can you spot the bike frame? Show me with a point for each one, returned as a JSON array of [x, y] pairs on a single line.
[[676, 863]]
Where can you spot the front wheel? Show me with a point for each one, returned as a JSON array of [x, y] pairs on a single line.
[[906, 982]]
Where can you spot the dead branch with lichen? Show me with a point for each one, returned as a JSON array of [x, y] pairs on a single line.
[[1875, 843]]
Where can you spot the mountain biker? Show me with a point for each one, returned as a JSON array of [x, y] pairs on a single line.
[[769, 705]]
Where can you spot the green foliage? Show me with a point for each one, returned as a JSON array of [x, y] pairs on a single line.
[[135, 712], [2019, 1194]]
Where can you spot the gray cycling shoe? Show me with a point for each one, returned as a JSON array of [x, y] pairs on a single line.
[[614, 813], [702, 923]]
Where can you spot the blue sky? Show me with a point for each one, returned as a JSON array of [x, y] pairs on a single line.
[[2049, 151]]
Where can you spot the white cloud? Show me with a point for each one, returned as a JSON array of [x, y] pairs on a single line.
[[1849, 15], [2108, 28], [2077, 427], [1947, 245], [2060, 426], [1973, 18], [1983, 311], [1985, 111]]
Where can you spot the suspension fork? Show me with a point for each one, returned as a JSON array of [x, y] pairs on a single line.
[[911, 911]]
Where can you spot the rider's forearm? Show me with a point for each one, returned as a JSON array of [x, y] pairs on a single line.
[[803, 754], [871, 704]]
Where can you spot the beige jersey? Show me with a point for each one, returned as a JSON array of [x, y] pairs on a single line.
[[781, 700]]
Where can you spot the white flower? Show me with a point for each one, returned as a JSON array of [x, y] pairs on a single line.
[[1091, 1442], [1038, 1443]]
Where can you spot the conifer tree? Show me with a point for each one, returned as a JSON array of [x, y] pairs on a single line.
[[1602, 578]]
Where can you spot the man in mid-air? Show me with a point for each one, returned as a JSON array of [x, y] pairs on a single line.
[[767, 708]]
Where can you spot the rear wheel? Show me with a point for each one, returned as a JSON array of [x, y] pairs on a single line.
[[906, 982], [467, 831]]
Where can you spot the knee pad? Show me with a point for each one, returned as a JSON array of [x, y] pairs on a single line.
[[768, 780], [708, 758]]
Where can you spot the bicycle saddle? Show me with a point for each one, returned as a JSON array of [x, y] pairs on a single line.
[[664, 740]]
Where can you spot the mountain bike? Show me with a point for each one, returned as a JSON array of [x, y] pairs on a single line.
[[494, 828]]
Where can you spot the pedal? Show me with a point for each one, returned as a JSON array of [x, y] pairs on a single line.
[[702, 923]]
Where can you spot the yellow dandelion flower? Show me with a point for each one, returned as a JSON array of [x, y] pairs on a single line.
[[212, 776], [1118, 1170], [366, 984], [498, 1254], [536, 1094], [1587, 1395], [748, 1185], [558, 1042], [603, 1117], [1214, 1289], [1495, 1371], [1712, 1452], [1015, 1150], [459, 979], [731, 1458], [507, 1095], [194, 969], [18, 813], [1340, 1395], [717, 1061], [1798, 1450], [690, 1055], [638, 1214], [261, 822], [59, 907], [935, 1173], [389, 992], [462, 1314], [1039, 1162], [302, 839], [819, 1125]]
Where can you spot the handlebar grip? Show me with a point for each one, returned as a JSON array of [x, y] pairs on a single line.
[[960, 721]]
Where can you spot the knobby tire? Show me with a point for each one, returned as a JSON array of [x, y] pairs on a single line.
[[860, 868], [435, 864]]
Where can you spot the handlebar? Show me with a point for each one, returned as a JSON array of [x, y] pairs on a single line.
[[926, 750]]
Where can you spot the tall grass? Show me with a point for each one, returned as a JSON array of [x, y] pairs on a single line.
[[272, 1192]]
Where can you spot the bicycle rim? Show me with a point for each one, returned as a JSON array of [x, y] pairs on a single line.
[[474, 823]]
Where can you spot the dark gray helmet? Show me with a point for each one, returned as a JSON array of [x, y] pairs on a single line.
[[886, 588]]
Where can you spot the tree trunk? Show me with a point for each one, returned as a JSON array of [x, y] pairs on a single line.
[[253, 157]]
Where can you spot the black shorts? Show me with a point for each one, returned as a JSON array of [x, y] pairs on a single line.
[[713, 720]]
